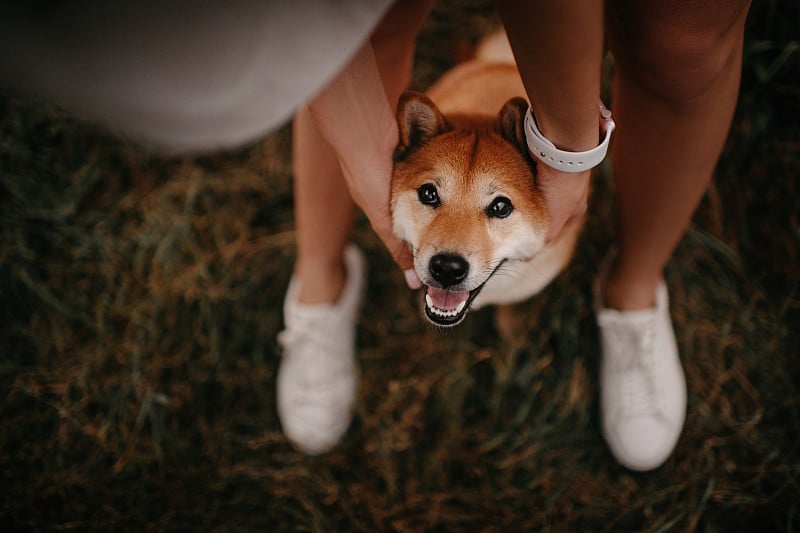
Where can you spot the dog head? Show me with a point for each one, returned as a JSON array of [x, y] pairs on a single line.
[[464, 198]]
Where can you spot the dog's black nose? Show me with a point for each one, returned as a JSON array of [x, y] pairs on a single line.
[[448, 269]]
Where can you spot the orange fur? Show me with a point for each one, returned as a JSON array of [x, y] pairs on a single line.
[[467, 141]]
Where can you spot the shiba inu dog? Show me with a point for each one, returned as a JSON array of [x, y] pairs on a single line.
[[464, 194]]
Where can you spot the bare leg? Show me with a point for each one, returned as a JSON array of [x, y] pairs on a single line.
[[317, 379], [323, 209], [323, 214], [678, 68]]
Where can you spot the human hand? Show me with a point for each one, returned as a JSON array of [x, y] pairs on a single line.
[[382, 225], [368, 179], [380, 218], [566, 196]]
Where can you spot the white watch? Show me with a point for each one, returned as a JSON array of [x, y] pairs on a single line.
[[547, 153]]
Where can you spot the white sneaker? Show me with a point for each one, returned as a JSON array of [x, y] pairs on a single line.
[[643, 389], [318, 373]]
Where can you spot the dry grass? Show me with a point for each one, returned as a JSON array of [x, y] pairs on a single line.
[[140, 300]]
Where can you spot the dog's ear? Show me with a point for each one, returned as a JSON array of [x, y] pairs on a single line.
[[511, 122], [418, 120]]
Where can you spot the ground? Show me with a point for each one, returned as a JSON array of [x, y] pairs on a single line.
[[140, 299]]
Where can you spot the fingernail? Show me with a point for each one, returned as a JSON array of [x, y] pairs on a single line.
[[412, 280]]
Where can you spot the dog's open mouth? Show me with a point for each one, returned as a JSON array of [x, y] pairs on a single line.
[[446, 307]]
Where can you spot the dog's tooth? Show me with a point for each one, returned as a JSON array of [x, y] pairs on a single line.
[[460, 307], [429, 301]]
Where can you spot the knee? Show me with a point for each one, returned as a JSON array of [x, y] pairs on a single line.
[[679, 62]]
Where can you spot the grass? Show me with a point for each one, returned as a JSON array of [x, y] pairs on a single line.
[[140, 301]]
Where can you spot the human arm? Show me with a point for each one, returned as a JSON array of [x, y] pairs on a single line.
[[355, 117], [558, 47]]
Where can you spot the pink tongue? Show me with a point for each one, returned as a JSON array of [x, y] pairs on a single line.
[[447, 300]]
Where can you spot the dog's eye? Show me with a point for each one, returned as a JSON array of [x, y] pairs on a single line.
[[428, 195], [500, 207]]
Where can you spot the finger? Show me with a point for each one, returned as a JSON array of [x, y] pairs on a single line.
[[556, 227], [402, 256], [405, 260], [399, 251], [412, 280]]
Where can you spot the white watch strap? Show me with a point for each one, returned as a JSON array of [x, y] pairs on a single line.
[[546, 151]]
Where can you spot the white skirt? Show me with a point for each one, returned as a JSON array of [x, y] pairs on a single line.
[[182, 75]]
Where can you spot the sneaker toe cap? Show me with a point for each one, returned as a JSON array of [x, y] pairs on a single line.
[[641, 443], [315, 418], [315, 429]]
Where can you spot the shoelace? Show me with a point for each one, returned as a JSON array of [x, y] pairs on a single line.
[[636, 366], [304, 330], [309, 339]]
